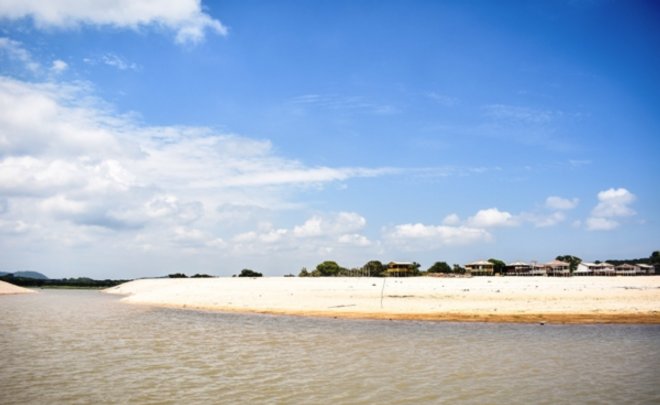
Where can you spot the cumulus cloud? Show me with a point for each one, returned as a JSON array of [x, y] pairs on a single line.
[[612, 203], [422, 237], [451, 219], [342, 223], [318, 234], [71, 165], [185, 17], [559, 203], [492, 217], [354, 239]]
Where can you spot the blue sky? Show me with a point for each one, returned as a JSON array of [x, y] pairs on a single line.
[[140, 139]]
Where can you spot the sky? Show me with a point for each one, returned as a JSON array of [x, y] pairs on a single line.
[[140, 138]]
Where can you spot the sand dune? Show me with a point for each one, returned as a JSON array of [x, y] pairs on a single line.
[[7, 288], [503, 299]]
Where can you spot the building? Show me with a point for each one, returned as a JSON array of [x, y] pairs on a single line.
[[401, 269], [518, 269], [558, 268], [480, 268], [645, 269], [626, 269], [538, 269], [585, 269], [603, 269]]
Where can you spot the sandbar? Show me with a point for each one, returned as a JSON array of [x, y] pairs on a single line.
[[476, 299], [8, 288]]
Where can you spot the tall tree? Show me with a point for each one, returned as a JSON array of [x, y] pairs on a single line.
[[374, 268], [328, 269], [499, 267], [439, 267], [655, 257], [458, 269]]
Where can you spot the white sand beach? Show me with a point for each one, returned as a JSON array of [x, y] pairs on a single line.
[[7, 288], [496, 299]]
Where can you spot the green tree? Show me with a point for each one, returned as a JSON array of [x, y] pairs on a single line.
[[499, 267], [573, 261], [249, 273], [328, 269], [303, 272], [374, 268], [177, 275], [439, 267], [655, 258], [458, 269]]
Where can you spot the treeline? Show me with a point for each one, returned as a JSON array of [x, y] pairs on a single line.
[[375, 268], [80, 282], [182, 275], [653, 260], [243, 273]]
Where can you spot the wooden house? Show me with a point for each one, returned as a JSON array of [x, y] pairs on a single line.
[[480, 268]]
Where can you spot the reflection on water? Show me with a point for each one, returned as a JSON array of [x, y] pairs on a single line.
[[85, 347]]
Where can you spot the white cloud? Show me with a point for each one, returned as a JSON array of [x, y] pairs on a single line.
[[354, 239], [116, 61], [612, 203], [421, 237], [451, 219], [491, 217], [601, 224], [58, 66], [15, 52], [185, 17], [559, 203], [342, 223], [544, 220], [75, 172]]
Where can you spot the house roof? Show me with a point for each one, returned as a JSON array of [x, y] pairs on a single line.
[[518, 264], [557, 263], [480, 263]]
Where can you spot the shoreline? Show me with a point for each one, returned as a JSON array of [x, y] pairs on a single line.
[[652, 318], [588, 300]]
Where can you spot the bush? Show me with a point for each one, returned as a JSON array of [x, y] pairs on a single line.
[[249, 273]]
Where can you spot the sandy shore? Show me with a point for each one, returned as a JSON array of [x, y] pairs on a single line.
[[7, 288], [493, 299]]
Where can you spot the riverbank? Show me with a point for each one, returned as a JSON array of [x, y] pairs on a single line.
[[490, 299], [7, 288]]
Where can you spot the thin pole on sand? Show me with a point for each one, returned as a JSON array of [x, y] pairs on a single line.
[[382, 290]]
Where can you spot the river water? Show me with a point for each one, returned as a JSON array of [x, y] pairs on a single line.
[[64, 346]]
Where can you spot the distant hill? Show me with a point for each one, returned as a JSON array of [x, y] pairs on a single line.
[[26, 274]]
